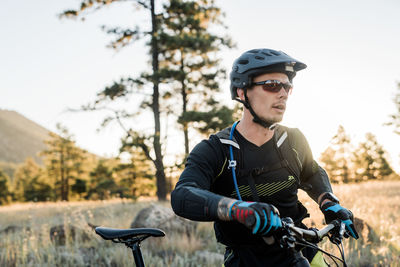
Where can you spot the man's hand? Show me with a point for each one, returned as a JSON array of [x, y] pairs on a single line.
[[260, 218], [333, 211]]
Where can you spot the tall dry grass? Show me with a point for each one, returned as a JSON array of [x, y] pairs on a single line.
[[378, 205], [28, 242]]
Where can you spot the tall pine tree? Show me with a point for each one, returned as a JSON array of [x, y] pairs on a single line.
[[189, 62], [5, 196], [370, 160], [128, 88], [31, 183], [102, 183], [336, 158], [135, 176], [150, 143], [64, 161]]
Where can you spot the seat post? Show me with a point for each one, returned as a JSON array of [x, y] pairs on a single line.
[[137, 254]]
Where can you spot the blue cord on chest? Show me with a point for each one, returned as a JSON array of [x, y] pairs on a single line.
[[232, 162]]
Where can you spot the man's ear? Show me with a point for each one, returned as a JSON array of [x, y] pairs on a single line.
[[240, 93]]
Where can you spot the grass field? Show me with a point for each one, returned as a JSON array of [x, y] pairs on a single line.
[[25, 232]]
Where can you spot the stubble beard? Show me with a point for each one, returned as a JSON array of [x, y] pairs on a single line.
[[273, 119]]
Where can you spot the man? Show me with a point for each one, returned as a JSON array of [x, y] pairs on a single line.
[[246, 177]]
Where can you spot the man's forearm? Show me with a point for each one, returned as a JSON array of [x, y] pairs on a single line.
[[195, 203], [326, 197], [320, 184], [224, 206]]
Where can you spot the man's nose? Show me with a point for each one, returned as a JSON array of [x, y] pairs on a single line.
[[283, 93]]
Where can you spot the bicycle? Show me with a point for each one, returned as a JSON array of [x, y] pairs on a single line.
[[288, 238]]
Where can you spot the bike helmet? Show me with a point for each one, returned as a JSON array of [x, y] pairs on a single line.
[[259, 61]]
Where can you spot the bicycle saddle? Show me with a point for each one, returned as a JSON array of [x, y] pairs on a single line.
[[111, 233]]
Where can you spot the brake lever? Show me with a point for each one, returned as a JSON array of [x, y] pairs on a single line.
[[287, 239], [342, 229], [338, 235]]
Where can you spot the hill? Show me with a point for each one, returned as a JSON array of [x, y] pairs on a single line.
[[20, 138]]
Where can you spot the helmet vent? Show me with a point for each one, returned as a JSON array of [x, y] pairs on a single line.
[[275, 53], [260, 58], [243, 61], [254, 51], [266, 53]]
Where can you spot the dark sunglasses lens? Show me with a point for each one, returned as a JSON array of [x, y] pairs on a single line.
[[272, 87], [287, 86]]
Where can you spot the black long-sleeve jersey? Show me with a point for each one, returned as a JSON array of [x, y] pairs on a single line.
[[271, 173]]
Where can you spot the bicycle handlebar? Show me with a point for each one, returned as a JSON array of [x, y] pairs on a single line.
[[335, 228], [291, 235], [313, 235]]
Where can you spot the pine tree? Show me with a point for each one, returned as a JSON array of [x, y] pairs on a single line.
[[370, 160], [102, 183], [30, 183], [5, 196], [336, 158], [138, 87], [79, 187], [134, 177], [63, 161], [189, 63], [329, 163], [127, 87]]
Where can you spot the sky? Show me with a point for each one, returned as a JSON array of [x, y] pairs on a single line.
[[48, 65]]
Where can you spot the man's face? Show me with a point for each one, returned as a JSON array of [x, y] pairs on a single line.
[[269, 106]]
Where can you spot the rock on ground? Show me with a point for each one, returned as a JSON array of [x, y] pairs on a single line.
[[157, 216]]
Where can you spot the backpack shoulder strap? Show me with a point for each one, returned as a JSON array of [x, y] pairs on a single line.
[[285, 141], [281, 135], [223, 137]]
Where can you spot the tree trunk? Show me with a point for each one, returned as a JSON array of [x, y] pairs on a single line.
[[184, 108], [186, 135], [66, 190], [62, 174], [346, 175], [160, 174]]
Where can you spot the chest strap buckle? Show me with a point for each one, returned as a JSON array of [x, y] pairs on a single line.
[[232, 164]]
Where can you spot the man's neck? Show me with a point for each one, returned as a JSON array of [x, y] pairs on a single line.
[[254, 132]]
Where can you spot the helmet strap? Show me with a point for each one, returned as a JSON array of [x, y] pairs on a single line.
[[256, 118]]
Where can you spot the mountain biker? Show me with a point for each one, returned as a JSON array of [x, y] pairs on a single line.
[[246, 177]]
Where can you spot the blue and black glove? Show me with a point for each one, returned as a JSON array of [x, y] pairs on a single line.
[[260, 218], [332, 211]]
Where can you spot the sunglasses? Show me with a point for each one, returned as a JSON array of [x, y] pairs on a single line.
[[274, 86]]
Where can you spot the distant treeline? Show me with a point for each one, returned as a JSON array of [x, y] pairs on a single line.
[[346, 163], [70, 173]]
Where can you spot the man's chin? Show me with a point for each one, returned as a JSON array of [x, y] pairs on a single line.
[[274, 120]]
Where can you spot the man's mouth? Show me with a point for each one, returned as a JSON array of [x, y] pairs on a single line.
[[280, 107]]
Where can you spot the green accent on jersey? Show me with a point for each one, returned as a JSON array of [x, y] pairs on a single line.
[[267, 189], [223, 168], [318, 260]]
